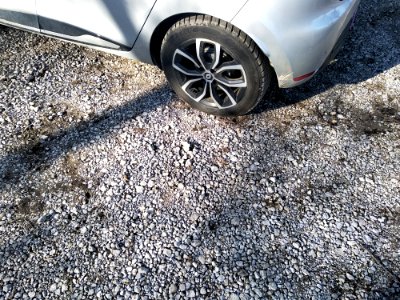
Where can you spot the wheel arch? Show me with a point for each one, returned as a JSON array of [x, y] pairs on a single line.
[[162, 29], [159, 34]]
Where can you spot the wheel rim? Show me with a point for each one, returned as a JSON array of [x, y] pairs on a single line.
[[208, 74]]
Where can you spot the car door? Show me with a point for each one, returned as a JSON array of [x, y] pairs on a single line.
[[19, 13], [111, 24]]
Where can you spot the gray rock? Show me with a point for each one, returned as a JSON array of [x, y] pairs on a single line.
[[191, 294], [234, 297], [235, 221], [172, 289], [182, 287], [272, 286]]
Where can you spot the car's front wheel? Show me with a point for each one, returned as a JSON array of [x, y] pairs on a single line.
[[214, 66]]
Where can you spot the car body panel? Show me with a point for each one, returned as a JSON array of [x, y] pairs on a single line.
[[297, 36], [19, 13], [107, 23]]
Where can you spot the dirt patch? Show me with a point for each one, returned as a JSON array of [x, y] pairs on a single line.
[[378, 121], [30, 205], [49, 121], [71, 167]]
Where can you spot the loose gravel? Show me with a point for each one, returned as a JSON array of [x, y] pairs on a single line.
[[111, 188]]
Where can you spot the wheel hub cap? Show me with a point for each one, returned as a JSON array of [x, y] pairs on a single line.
[[208, 76]]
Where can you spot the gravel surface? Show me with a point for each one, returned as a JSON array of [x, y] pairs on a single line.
[[111, 188]]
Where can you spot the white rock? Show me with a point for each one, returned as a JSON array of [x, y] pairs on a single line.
[[172, 289], [272, 286], [53, 287], [214, 169], [139, 189], [234, 297], [186, 147]]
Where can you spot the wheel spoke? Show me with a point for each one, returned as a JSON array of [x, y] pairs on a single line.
[[188, 85], [231, 82], [189, 57], [230, 94], [234, 83], [188, 72], [220, 102], [201, 53]]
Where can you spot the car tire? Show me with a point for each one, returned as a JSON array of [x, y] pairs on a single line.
[[214, 66]]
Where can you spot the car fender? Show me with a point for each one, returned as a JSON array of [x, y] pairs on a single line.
[[296, 36], [165, 9]]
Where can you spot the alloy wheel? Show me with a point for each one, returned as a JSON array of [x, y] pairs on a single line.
[[209, 74]]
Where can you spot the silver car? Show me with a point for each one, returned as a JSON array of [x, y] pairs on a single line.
[[218, 55]]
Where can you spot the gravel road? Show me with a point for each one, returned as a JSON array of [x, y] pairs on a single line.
[[111, 188]]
